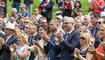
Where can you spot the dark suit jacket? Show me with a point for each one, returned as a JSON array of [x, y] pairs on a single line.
[[5, 53], [3, 36], [68, 45], [30, 41], [12, 40], [31, 38]]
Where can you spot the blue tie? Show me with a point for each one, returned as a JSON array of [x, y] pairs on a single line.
[[67, 36]]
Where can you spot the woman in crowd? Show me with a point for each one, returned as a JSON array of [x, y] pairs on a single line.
[[85, 41], [67, 7], [20, 52], [40, 55], [77, 5], [99, 52], [78, 23]]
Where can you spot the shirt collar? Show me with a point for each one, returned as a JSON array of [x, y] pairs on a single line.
[[71, 31], [35, 33], [9, 36]]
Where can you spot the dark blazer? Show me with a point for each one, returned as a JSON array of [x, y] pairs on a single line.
[[31, 38], [3, 36], [50, 49], [68, 45], [12, 40], [30, 41], [5, 53]]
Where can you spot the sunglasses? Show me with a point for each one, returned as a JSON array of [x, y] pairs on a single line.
[[98, 22], [82, 38], [101, 30]]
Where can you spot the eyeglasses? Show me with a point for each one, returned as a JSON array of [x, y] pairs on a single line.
[[98, 22], [82, 38], [101, 29], [66, 22]]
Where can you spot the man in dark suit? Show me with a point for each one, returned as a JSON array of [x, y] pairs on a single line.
[[4, 51], [34, 36], [10, 31], [49, 47], [2, 34], [70, 41]]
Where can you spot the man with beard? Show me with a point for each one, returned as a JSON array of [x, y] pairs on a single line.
[[49, 47]]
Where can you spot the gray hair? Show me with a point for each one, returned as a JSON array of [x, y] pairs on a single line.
[[14, 9], [70, 19]]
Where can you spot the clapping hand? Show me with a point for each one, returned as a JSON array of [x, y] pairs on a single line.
[[103, 45], [14, 47], [1, 42], [36, 42], [77, 51], [56, 38], [92, 50], [46, 38], [60, 36]]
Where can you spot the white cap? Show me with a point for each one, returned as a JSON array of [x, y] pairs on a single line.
[[9, 25], [59, 16]]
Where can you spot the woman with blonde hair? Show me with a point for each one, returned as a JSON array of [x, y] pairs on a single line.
[[20, 52], [85, 42]]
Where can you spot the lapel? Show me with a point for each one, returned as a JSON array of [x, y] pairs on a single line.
[[69, 38], [11, 38]]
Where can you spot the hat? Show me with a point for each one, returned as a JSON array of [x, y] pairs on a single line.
[[102, 14], [23, 5], [10, 26], [59, 16], [59, 13]]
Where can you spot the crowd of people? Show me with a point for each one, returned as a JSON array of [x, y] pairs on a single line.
[[69, 36]]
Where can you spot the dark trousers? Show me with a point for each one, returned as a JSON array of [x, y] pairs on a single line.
[[16, 5]]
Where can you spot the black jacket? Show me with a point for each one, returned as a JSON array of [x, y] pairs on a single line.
[[12, 40], [5, 53]]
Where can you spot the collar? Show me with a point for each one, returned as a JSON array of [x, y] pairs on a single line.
[[34, 34], [9, 36], [71, 31]]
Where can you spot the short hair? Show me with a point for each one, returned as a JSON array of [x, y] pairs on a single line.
[[71, 19], [55, 21], [14, 9], [45, 27], [42, 18]]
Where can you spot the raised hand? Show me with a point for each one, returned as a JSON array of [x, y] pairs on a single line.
[[103, 45], [60, 36], [77, 51], [92, 50]]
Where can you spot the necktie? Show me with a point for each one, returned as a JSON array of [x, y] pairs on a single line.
[[67, 36]]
